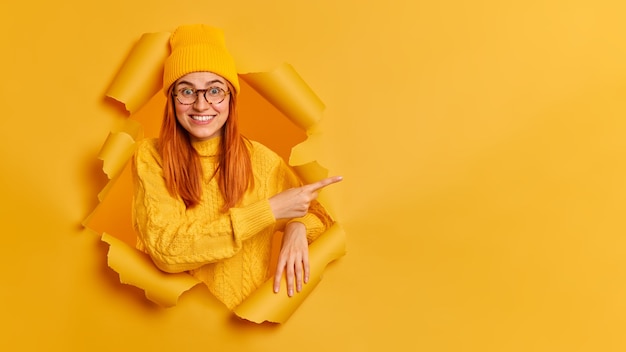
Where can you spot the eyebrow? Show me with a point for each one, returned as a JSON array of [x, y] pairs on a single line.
[[206, 84]]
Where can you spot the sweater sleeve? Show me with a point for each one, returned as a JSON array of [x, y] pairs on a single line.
[[175, 241]]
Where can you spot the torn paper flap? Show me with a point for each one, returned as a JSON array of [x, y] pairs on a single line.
[[289, 93], [136, 268], [119, 147], [307, 151], [265, 305], [115, 152], [141, 74]]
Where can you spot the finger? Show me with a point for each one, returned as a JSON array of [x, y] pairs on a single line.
[[289, 273], [323, 183], [305, 263], [298, 265], [278, 276]]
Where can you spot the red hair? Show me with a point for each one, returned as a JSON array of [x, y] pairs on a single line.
[[182, 170]]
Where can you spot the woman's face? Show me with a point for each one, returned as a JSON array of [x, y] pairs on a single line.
[[203, 120]]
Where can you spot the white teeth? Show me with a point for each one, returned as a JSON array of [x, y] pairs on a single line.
[[202, 118]]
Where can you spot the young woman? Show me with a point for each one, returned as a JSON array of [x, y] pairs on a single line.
[[207, 200]]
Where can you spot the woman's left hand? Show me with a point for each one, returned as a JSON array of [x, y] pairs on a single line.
[[293, 258]]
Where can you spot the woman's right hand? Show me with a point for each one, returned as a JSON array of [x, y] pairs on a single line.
[[294, 202]]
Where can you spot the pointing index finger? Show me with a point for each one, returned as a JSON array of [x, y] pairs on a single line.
[[323, 183]]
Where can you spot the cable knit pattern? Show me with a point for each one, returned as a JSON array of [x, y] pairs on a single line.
[[229, 252]]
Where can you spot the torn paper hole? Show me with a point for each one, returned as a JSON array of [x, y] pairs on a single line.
[[134, 85]]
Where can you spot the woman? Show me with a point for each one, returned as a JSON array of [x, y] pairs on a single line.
[[207, 200]]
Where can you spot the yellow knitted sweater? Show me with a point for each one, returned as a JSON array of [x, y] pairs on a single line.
[[229, 252]]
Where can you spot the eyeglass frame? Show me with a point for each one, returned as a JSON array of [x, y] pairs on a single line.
[[196, 91]]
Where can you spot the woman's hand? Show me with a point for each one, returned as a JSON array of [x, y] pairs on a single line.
[[293, 258], [294, 202]]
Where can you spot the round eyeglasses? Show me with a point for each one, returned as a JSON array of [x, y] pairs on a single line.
[[188, 96]]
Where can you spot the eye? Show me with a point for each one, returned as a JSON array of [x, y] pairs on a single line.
[[214, 91], [187, 92]]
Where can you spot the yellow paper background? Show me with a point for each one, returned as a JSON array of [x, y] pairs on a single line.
[[482, 145]]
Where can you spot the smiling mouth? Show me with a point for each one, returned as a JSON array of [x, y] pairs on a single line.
[[203, 117]]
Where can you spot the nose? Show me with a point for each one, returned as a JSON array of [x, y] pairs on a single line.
[[201, 102]]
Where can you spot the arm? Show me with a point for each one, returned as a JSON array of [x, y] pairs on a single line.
[[175, 239]]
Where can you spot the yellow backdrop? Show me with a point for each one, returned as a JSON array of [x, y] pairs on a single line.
[[482, 144]]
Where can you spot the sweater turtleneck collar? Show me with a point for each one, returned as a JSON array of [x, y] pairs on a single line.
[[209, 147]]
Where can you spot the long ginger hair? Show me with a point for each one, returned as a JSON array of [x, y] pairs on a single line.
[[182, 170]]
